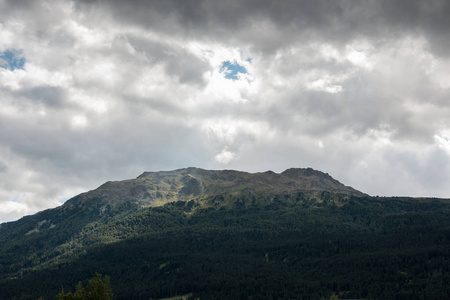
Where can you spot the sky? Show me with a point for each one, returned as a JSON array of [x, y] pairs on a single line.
[[92, 91]]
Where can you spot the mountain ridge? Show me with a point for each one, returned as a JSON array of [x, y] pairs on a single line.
[[162, 187]]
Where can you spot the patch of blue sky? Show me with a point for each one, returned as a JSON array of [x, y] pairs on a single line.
[[12, 59], [232, 69], [63, 200]]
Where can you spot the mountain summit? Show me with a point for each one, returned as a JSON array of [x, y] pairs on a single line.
[[159, 188]]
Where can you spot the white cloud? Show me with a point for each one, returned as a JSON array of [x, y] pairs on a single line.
[[439, 71], [229, 129], [91, 102], [325, 85], [360, 53], [10, 210], [443, 143], [88, 38], [79, 122], [224, 157]]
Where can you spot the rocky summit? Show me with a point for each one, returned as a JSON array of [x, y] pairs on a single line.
[[159, 188]]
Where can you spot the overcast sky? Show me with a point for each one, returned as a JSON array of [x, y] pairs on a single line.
[[92, 91]]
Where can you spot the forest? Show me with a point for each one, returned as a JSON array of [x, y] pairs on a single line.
[[296, 247]]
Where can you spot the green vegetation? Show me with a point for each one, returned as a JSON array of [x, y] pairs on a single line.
[[252, 244], [351, 248], [98, 288]]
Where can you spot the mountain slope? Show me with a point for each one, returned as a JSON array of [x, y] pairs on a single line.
[[232, 235]]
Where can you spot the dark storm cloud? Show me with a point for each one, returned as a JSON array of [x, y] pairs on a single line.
[[271, 24], [178, 62]]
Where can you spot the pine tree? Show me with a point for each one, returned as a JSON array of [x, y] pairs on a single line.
[[98, 288]]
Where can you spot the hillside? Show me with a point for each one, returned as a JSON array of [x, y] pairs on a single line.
[[299, 234]]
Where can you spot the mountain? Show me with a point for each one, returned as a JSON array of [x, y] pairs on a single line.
[[227, 234], [159, 188]]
